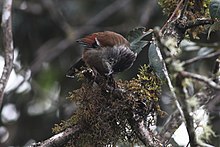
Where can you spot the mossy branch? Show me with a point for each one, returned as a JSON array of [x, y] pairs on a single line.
[[109, 114]]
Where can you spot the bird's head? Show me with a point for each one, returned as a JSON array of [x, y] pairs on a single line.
[[103, 39]]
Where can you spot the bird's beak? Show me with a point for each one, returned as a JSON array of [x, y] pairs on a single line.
[[83, 43]]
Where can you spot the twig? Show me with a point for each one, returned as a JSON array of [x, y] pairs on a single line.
[[185, 4], [173, 16], [172, 90], [59, 139], [197, 58], [7, 45], [216, 71], [165, 71], [173, 122], [188, 119], [184, 109], [190, 24], [146, 137], [200, 78]]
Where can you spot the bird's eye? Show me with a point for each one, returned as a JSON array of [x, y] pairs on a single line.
[[95, 45]]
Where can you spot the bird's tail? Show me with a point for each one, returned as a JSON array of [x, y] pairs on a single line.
[[76, 66]]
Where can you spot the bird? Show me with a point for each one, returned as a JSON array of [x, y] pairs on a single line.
[[106, 53]]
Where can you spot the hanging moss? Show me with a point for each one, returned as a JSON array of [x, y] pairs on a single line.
[[104, 117]]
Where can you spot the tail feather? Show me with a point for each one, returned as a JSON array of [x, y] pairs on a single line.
[[76, 66]]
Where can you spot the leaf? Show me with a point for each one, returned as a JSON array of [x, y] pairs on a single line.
[[135, 38], [137, 47], [214, 9], [155, 62]]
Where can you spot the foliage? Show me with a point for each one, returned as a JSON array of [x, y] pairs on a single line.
[[168, 6], [195, 9], [104, 118]]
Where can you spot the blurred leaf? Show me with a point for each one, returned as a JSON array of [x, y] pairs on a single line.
[[155, 62], [213, 27], [47, 77], [214, 9], [135, 36], [137, 47]]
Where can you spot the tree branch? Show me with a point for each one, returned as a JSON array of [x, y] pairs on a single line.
[[185, 4], [216, 71], [200, 78], [165, 71], [145, 135], [197, 58], [59, 139], [7, 45], [190, 24], [173, 16], [174, 121], [188, 118]]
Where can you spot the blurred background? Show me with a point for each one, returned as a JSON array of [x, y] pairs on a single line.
[[44, 33]]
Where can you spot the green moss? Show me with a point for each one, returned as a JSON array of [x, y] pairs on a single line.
[[195, 9], [168, 6], [104, 119]]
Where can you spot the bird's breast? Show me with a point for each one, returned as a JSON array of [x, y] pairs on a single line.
[[109, 59]]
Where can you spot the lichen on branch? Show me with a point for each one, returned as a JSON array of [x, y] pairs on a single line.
[[104, 115]]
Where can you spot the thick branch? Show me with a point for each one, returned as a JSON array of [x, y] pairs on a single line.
[[7, 45]]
